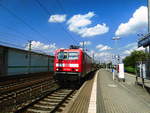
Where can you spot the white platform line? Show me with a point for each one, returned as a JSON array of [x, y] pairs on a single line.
[[92, 103]]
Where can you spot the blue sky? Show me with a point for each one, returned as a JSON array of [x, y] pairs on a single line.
[[72, 21]]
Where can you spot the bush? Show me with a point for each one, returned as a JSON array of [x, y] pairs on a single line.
[[130, 69]]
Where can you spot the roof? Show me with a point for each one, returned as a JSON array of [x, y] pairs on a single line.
[[18, 49], [144, 41], [67, 50]]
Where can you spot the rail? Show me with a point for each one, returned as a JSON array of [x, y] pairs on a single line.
[[19, 98], [48, 103]]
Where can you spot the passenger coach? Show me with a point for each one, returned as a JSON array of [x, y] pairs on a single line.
[[71, 64]]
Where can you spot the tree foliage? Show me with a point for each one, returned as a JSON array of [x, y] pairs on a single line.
[[134, 57]]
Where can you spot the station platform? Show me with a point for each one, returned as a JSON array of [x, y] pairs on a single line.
[[139, 80], [120, 97], [111, 96]]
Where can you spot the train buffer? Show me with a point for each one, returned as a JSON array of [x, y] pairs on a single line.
[[106, 95]]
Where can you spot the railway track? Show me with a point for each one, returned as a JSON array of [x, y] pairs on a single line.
[[16, 99], [48, 103], [17, 86], [21, 84], [6, 80]]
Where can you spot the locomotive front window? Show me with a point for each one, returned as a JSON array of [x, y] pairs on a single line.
[[68, 55], [62, 55], [73, 55]]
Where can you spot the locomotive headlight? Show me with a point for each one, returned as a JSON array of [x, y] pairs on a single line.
[[57, 69], [77, 69]]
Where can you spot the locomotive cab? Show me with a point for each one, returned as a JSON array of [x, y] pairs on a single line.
[[67, 65]]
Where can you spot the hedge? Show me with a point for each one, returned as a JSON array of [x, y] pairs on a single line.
[[130, 69]]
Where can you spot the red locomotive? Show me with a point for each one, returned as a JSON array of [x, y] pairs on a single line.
[[71, 64]]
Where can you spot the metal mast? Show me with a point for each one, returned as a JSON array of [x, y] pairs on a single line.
[[29, 65], [148, 6]]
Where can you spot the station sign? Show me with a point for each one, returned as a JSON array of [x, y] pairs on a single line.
[[144, 41]]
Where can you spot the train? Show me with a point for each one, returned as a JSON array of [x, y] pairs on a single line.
[[72, 65]]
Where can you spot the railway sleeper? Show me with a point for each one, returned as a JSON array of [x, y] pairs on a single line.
[[24, 84], [47, 103], [60, 93], [18, 99], [23, 98], [43, 106], [53, 100], [6, 96], [55, 97], [38, 110], [19, 93]]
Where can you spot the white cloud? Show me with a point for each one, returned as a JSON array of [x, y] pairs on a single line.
[[140, 49], [91, 53], [103, 47], [104, 56], [100, 56], [93, 31], [80, 20], [137, 23], [78, 24], [41, 47], [132, 47], [127, 52], [57, 18], [85, 43]]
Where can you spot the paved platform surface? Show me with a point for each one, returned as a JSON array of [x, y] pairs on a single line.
[[119, 97], [132, 76], [81, 103]]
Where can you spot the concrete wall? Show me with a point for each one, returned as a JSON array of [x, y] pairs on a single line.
[[3, 61], [18, 62], [39, 63], [51, 64]]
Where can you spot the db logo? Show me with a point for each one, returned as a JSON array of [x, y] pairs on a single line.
[[66, 65]]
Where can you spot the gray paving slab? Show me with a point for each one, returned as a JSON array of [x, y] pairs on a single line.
[[81, 103], [131, 78], [118, 97]]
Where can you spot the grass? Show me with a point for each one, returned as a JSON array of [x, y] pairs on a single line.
[[130, 69]]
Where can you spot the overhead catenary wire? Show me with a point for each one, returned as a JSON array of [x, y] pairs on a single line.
[[62, 27], [16, 31], [24, 47], [28, 25], [21, 37], [63, 10], [10, 44], [12, 35], [61, 6], [21, 20], [5, 34]]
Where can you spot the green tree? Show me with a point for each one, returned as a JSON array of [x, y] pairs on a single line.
[[134, 57]]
